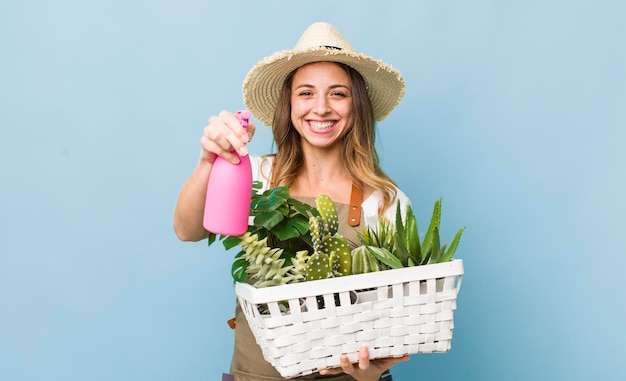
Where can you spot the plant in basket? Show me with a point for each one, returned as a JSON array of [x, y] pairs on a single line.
[[388, 246], [290, 241], [276, 243]]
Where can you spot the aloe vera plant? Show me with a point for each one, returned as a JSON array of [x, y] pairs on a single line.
[[404, 249], [431, 250]]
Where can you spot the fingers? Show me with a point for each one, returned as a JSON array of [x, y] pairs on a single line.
[[251, 130], [364, 369], [364, 358], [345, 366], [224, 134]]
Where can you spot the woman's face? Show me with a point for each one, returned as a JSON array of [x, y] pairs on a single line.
[[321, 104]]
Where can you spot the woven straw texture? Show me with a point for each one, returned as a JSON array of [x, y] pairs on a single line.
[[305, 327]]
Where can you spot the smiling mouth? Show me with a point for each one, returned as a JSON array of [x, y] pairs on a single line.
[[321, 126]]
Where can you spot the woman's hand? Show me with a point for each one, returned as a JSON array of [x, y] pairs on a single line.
[[224, 134], [365, 370]]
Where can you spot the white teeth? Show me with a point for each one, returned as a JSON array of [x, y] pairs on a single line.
[[321, 125]]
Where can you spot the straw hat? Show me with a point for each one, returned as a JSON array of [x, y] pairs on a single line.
[[320, 42]]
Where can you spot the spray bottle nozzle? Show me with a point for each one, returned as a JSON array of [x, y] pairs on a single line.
[[244, 117]]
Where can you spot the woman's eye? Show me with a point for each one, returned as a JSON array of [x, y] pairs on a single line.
[[338, 94]]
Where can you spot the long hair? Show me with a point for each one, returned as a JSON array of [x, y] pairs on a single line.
[[358, 144]]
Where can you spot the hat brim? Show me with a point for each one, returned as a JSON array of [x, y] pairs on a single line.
[[263, 84]]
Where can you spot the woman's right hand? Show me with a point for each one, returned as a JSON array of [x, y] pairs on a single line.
[[224, 134]]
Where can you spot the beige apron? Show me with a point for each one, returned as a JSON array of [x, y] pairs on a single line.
[[248, 363]]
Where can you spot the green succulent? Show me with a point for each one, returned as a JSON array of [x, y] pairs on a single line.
[[398, 245], [410, 251], [281, 220], [379, 239], [266, 266], [331, 253], [363, 261]]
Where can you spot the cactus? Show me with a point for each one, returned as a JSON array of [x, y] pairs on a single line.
[[334, 242], [341, 257], [331, 254], [328, 213], [318, 265]]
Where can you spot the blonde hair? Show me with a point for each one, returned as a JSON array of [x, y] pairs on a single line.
[[358, 144]]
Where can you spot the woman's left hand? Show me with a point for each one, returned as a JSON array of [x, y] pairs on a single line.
[[365, 370]]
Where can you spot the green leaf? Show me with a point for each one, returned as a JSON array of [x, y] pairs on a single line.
[[240, 254], [285, 230], [270, 200], [412, 237], [435, 246], [452, 249], [279, 193], [284, 210], [299, 222], [238, 270], [268, 220], [385, 256], [259, 231], [434, 224], [426, 258], [400, 231], [212, 238], [401, 251], [301, 207], [278, 203], [261, 205], [256, 185], [436, 259], [231, 241]]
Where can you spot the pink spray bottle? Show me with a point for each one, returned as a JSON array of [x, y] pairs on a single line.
[[229, 192]]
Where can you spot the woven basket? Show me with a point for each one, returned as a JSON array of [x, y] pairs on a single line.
[[305, 327]]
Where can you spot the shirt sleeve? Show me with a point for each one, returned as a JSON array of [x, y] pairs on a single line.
[[370, 207]]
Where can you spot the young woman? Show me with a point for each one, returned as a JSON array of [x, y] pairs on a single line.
[[321, 100]]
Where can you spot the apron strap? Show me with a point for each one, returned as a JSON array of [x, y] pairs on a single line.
[[354, 213]]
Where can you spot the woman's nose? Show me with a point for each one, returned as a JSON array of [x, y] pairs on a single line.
[[322, 106]]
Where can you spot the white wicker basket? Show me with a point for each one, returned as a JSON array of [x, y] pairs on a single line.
[[393, 312]]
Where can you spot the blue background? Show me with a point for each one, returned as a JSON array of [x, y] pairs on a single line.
[[515, 114]]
